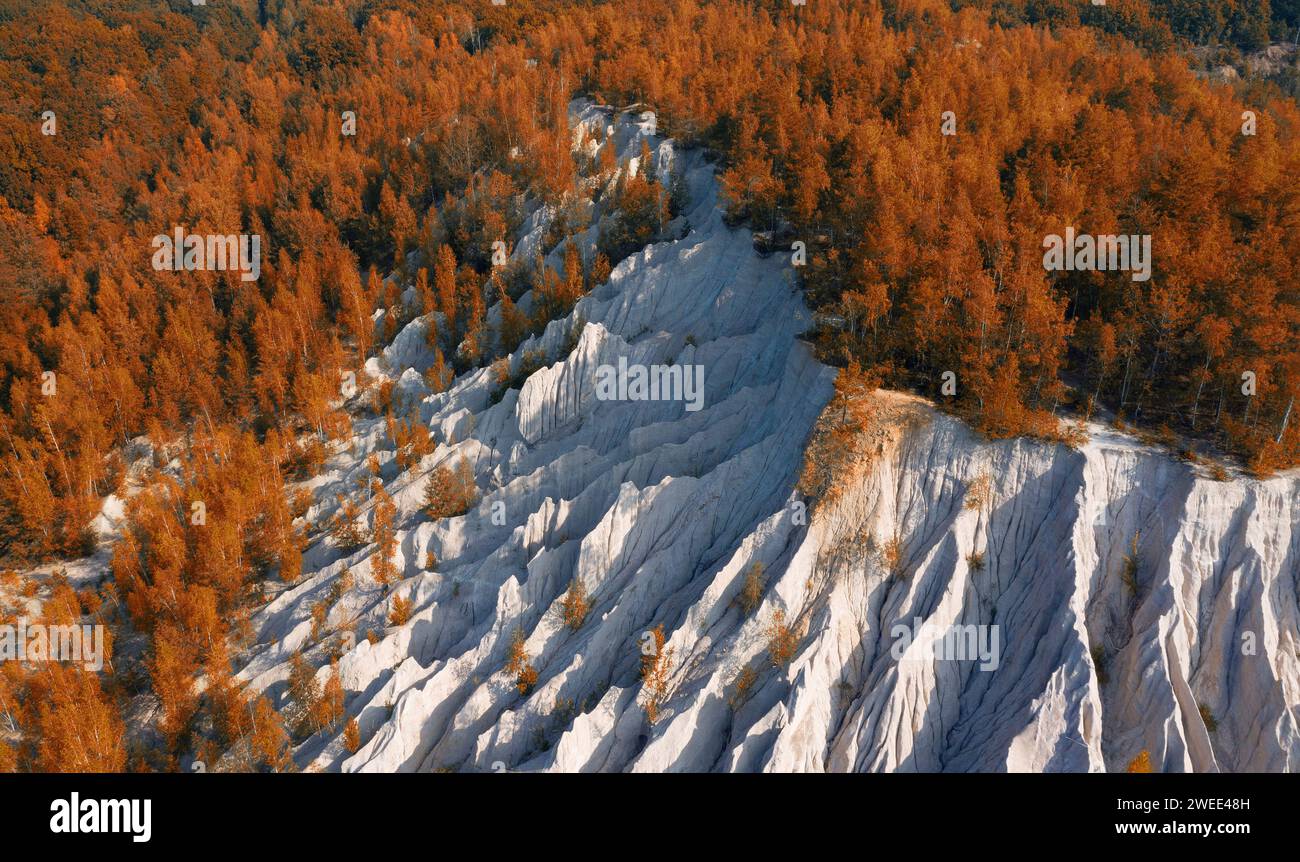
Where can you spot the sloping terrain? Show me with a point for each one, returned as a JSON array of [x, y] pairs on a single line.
[[1205, 616], [660, 511]]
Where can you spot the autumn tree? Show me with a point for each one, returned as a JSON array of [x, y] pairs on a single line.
[[384, 536], [518, 665], [514, 323], [640, 209], [450, 492], [344, 529], [1141, 763], [400, 612], [305, 693], [439, 375], [352, 736], [173, 671], [444, 287], [575, 604], [78, 726], [328, 708], [269, 742], [781, 641], [656, 665], [751, 590], [836, 442]]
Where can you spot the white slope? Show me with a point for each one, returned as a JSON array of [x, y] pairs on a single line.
[[660, 511], [1212, 621]]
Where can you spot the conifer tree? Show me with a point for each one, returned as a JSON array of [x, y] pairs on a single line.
[[384, 537], [518, 665]]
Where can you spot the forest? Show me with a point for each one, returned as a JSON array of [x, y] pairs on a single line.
[[120, 119]]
